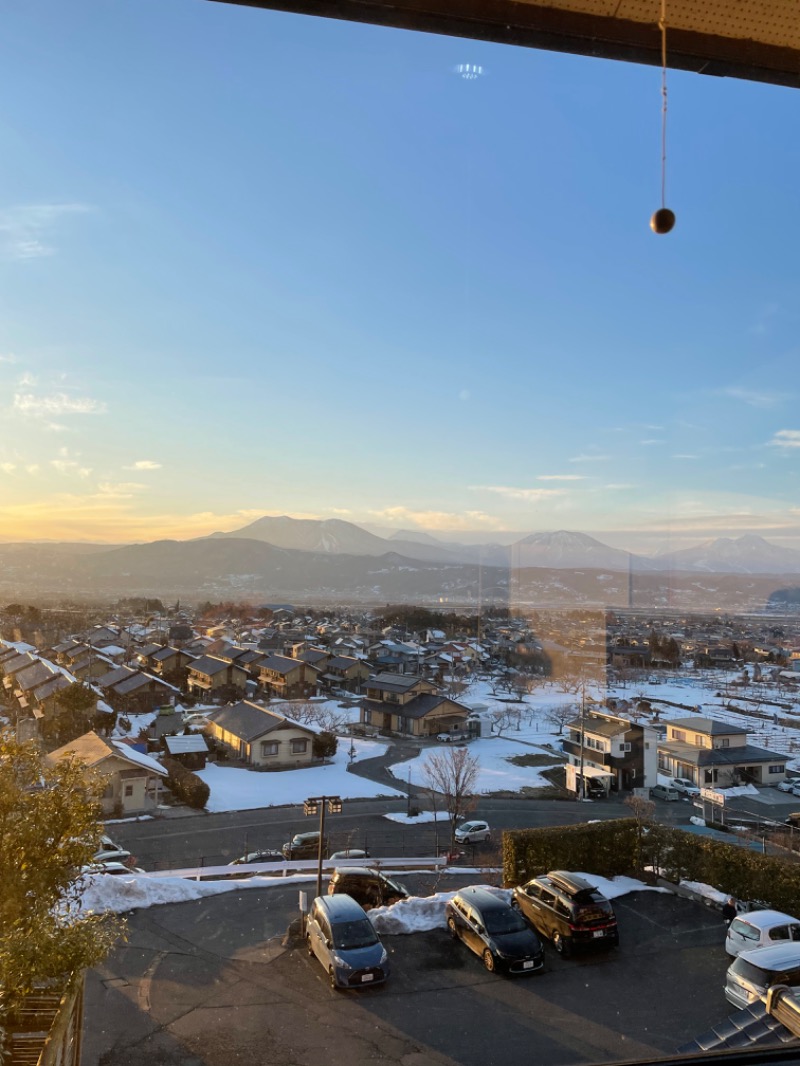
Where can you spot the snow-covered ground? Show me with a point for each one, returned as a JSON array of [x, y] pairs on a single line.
[[528, 726], [235, 789]]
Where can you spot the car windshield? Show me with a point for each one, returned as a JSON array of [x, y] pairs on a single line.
[[744, 929], [356, 934], [502, 921]]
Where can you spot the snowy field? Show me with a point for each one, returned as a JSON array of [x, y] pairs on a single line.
[[234, 789], [527, 726]]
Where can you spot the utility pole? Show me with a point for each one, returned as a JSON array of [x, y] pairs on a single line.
[[581, 784], [317, 805]]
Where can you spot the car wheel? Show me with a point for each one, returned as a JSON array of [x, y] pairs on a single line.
[[488, 961], [451, 925], [561, 944]]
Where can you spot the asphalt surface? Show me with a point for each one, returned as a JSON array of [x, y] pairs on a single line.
[[195, 839], [219, 982]]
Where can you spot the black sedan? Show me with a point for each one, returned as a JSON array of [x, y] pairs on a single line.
[[494, 930]]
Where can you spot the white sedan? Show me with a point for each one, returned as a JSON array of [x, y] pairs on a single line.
[[473, 833]]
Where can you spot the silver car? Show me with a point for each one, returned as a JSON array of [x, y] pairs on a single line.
[[752, 973]]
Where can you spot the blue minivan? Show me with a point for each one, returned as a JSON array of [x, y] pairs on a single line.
[[344, 940]]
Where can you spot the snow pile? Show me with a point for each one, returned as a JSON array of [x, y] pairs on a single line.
[[418, 819], [713, 895], [420, 913], [121, 894]]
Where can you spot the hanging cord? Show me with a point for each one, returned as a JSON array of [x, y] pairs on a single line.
[[663, 220], [662, 25]]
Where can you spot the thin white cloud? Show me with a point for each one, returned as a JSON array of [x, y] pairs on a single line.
[[406, 516], [8, 357], [618, 487], [143, 464], [590, 457], [683, 455], [8, 468], [26, 231], [70, 466], [512, 492], [561, 477], [786, 438], [58, 403], [751, 397], [122, 490], [652, 440], [341, 510]]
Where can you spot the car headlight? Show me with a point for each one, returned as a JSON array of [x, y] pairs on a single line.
[[384, 956], [341, 962]]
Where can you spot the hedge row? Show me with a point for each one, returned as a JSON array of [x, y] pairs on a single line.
[[604, 848], [626, 847], [188, 787]]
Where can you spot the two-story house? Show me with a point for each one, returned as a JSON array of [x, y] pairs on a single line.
[[209, 676], [403, 704], [716, 754], [616, 753], [291, 679]]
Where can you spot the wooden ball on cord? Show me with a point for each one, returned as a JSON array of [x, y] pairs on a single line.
[[662, 221]]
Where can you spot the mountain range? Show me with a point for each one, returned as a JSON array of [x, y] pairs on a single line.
[[334, 561]]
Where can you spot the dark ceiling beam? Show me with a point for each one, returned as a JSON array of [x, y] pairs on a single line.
[[534, 25]]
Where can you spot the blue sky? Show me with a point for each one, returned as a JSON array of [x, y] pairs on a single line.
[[254, 263]]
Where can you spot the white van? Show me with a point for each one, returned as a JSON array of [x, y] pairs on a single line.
[[759, 929], [752, 973]]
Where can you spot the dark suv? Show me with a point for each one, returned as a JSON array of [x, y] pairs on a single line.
[[370, 888], [494, 930], [568, 910], [304, 846]]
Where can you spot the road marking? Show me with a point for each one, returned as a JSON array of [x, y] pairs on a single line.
[[143, 993]]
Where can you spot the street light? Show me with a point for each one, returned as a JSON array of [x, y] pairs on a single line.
[[318, 804]]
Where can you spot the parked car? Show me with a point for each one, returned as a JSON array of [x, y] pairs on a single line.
[[304, 846], [685, 786], [341, 936], [785, 786], [113, 855], [370, 888], [568, 910], [351, 853], [752, 973], [449, 738], [758, 929], [664, 792], [494, 930], [473, 833], [114, 869], [257, 856]]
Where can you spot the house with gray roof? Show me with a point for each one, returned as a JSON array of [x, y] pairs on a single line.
[[715, 754], [261, 737]]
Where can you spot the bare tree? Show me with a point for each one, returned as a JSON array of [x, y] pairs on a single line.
[[642, 810], [561, 713], [326, 716], [453, 774]]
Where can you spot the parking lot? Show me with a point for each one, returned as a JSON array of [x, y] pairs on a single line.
[[218, 981]]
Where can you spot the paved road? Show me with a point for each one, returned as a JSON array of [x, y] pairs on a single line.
[[214, 983], [213, 839]]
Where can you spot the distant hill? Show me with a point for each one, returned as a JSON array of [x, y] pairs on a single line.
[[749, 554], [564, 550], [336, 537]]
